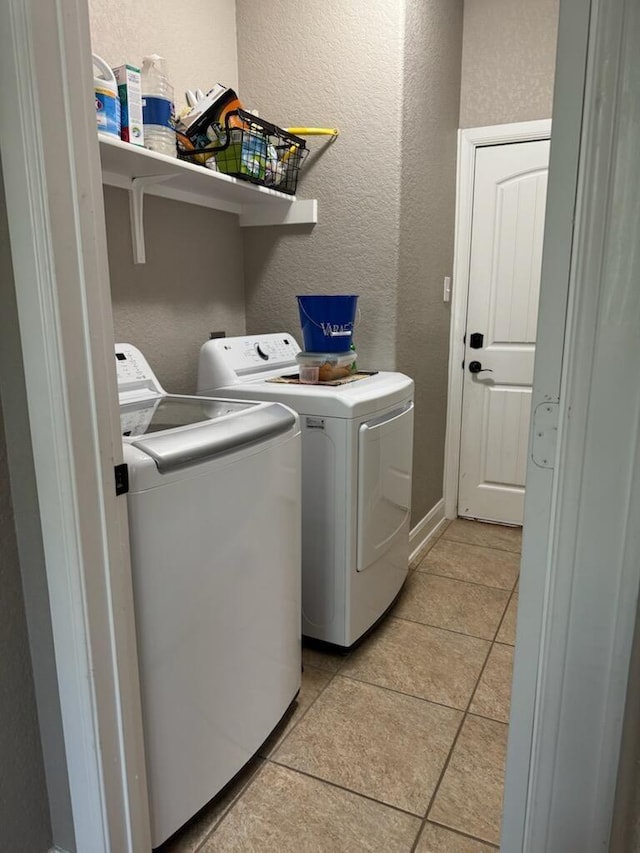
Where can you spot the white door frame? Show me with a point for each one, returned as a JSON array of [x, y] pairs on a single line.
[[58, 245], [581, 548], [469, 140]]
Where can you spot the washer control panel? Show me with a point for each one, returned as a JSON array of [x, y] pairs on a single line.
[[134, 373]]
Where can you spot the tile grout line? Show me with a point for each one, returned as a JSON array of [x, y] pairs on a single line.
[[344, 789], [265, 759], [455, 740], [493, 643], [268, 759], [489, 719], [410, 695], [509, 600], [448, 630], [465, 712], [307, 709], [271, 757], [226, 811], [378, 687], [464, 834], [449, 756], [486, 547], [460, 580], [517, 550]]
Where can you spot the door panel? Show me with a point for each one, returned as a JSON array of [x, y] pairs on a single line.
[[505, 450], [514, 281], [504, 280], [384, 483]]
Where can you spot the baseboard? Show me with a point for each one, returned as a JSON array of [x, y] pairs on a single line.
[[426, 529]]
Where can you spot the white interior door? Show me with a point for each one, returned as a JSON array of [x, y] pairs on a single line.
[[509, 196]]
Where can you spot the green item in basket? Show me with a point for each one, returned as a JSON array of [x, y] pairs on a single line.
[[246, 154]]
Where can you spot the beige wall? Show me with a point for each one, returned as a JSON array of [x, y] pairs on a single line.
[[196, 37], [430, 120], [388, 76], [191, 285], [193, 281], [330, 64], [508, 61]]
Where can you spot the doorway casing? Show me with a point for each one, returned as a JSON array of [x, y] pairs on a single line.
[[469, 140]]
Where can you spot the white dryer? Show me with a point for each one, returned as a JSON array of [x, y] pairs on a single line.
[[357, 441], [214, 519]]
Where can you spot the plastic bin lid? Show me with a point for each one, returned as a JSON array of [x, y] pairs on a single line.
[[317, 359]]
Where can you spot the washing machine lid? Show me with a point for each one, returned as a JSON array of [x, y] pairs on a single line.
[[179, 431], [158, 414]]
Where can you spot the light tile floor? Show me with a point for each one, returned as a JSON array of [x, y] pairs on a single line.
[[398, 747]]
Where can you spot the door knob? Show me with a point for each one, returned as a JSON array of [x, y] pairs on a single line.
[[476, 367]]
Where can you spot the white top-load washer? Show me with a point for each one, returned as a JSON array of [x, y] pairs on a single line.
[[214, 520], [357, 451]]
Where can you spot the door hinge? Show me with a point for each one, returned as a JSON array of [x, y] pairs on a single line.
[[545, 434], [122, 478]]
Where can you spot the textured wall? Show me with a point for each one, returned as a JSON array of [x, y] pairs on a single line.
[[24, 809], [191, 284], [336, 64], [388, 75], [430, 120], [196, 37], [508, 61]]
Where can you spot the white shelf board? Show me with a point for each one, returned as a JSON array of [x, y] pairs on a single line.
[[142, 171]]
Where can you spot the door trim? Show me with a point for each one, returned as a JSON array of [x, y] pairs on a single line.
[[469, 140], [581, 550], [425, 530], [58, 246]]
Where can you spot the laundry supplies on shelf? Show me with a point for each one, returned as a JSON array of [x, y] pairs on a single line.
[[157, 107], [238, 143], [106, 97], [130, 94]]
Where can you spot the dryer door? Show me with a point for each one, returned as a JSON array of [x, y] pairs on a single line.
[[385, 455]]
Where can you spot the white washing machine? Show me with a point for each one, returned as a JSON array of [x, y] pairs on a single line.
[[357, 441], [214, 519]]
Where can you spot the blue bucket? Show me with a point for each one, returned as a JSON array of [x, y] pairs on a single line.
[[327, 322]]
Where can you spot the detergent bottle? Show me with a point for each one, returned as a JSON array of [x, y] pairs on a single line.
[[107, 100]]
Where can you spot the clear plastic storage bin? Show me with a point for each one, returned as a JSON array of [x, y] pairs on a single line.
[[317, 367]]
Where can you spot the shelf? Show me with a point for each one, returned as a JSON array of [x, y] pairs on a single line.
[[141, 171]]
